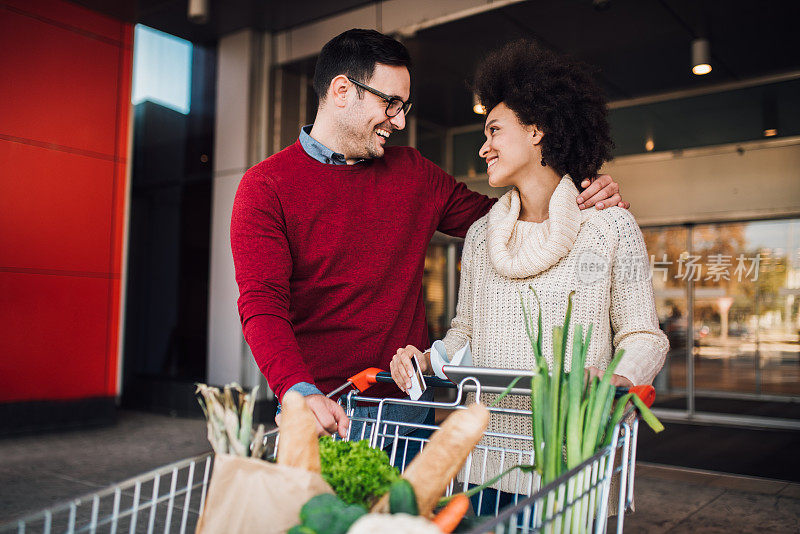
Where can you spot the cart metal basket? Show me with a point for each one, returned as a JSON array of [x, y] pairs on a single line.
[[167, 499], [170, 499]]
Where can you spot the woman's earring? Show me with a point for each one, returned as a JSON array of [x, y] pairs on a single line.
[[535, 133]]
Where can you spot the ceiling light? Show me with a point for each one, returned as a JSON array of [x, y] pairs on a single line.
[[701, 57], [649, 145], [477, 107], [197, 11], [769, 112]]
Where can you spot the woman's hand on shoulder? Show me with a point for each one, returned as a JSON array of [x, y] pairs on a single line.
[[402, 369], [616, 380]]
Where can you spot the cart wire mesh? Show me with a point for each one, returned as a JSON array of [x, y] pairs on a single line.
[[168, 499]]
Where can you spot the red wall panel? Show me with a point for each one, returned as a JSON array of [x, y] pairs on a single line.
[[118, 218], [64, 117], [64, 85], [67, 14], [113, 337], [55, 209], [54, 336]]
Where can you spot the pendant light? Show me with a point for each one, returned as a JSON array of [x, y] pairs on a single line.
[[701, 56], [477, 107]]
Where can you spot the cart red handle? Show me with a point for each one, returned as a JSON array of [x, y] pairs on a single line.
[[646, 393], [365, 378]]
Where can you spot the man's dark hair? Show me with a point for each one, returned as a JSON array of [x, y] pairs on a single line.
[[354, 53], [559, 95]]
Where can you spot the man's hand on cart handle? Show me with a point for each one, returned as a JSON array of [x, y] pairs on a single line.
[[402, 369], [616, 380], [330, 416]]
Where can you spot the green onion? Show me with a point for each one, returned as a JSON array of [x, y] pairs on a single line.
[[647, 415], [229, 419], [506, 392], [568, 412], [597, 407], [574, 404]]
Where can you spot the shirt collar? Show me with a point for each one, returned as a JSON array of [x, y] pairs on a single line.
[[317, 150]]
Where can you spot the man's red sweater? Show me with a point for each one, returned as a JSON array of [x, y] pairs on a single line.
[[329, 260]]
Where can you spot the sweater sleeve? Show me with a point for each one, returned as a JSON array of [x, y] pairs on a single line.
[[633, 312], [458, 206], [263, 266], [460, 331]]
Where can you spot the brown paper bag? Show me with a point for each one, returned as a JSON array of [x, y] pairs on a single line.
[[247, 495]]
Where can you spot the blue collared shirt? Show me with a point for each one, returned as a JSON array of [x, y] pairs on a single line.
[[411, 414], [317, 150]]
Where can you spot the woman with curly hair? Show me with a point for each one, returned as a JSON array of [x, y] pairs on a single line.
[[546, 132]]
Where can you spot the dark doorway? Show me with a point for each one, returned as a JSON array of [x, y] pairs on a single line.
[[168, 253]]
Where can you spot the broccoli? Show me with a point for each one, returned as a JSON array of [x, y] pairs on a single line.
[[327, 514], [357, 473]]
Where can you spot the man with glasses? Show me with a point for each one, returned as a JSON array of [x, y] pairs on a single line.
[[329, 235]]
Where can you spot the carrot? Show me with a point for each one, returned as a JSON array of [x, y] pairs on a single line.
[[450, 516]]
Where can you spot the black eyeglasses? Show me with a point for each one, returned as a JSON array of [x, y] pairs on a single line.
[[393, 104]]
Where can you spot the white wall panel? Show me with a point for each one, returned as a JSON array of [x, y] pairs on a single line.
[[225, 339], [234, 56], [308, 40], [707, 184], [763, 180], [281, 43], [397, 14], [391, 16]]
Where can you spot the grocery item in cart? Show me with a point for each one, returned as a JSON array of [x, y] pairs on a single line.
[[251, 495], [432, 469], [229, 418], [405, 523], [358, 473], [299, 443], [327, 514], [247, 495]]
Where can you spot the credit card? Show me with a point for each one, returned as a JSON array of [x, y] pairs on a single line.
[[418, 385]]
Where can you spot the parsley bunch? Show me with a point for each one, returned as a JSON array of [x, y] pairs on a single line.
[[357, 473]]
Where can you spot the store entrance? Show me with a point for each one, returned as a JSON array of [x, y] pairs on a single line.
[[168, 251]]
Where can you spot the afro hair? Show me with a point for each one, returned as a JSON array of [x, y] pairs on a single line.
[[557, 94]]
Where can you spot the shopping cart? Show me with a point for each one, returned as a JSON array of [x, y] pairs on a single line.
[[578, 501], [170, 499]]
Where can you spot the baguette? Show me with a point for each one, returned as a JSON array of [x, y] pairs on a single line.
[[299, 445], [442, 458]]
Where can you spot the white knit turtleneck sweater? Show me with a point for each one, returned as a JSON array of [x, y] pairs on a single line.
[[598, 254]]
